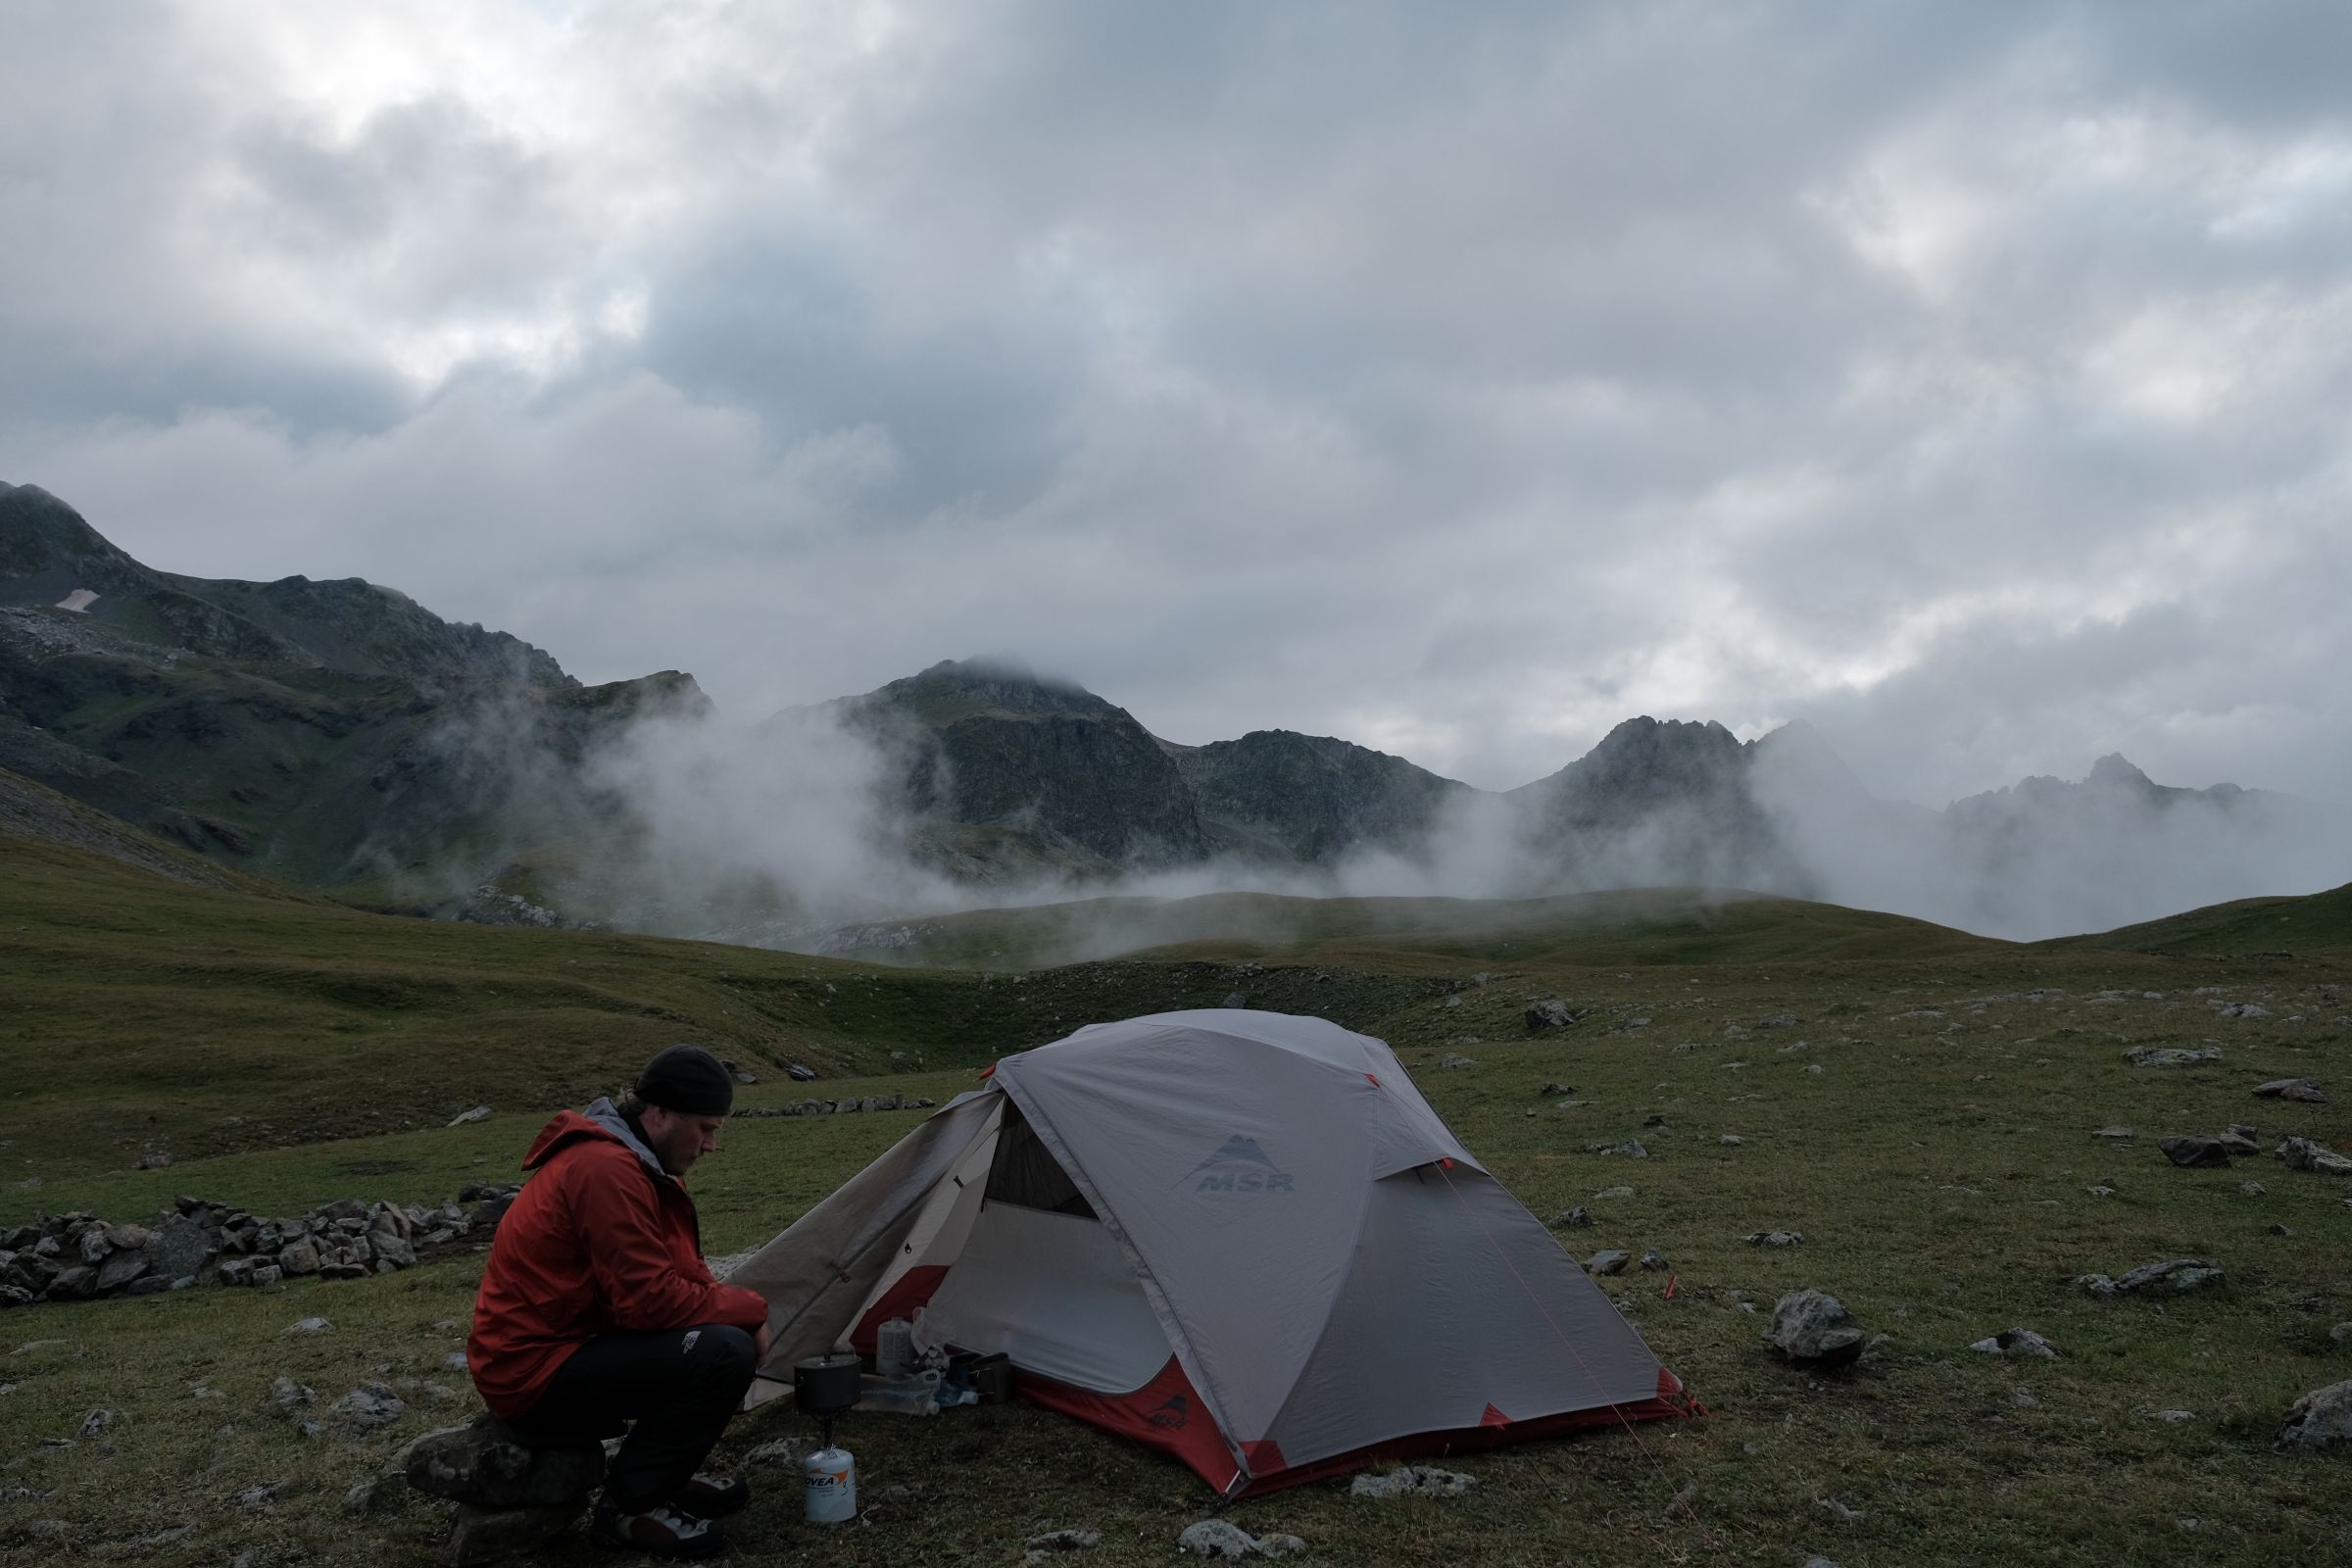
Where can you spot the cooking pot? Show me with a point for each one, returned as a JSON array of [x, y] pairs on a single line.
[[827, 1384]]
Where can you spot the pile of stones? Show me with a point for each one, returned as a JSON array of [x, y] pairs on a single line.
[[831, 1107], [80, 1256]]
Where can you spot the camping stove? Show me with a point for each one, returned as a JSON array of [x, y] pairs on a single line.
[[824, 1386]]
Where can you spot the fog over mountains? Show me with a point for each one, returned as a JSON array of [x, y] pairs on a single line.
[[337, 735]]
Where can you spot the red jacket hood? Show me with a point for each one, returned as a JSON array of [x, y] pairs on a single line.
[[599, 1120]]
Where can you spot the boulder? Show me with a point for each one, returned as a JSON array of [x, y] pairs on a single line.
[[1576, 1218], [2017, 1341], [299, 1256], [2302, 1089], [800, 1073], [1613, 1261], [1217, 1538], [178, 1247], [74, 1284], [1549, 1013], [2303, 1154], [118, 1270], [485, 1534], [2321, 1419], [1813, 1329], [2175, 1275], [370, 1405], [392, 1249], [376, 1494], [487, 1466], [2193, 1152], [2237, 1141]]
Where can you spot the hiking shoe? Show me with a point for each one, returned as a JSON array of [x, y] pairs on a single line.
[[711, 1496], [659, 1532]]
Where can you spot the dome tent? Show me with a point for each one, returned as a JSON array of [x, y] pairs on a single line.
[[1241, 1238]]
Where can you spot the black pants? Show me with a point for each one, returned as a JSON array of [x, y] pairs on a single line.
[[679, 1386]]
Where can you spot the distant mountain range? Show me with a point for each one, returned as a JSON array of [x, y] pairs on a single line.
[[338, 736]]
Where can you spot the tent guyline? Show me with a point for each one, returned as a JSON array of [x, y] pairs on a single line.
[[1213, 1233]]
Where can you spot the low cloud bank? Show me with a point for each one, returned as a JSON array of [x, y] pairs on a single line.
[[785, 833]]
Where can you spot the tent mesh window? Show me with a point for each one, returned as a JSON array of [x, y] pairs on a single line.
[[1026, 1174]]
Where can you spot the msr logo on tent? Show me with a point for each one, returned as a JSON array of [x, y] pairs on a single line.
[[1240, 1166]]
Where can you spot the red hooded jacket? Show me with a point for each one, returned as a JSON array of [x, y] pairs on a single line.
[[601, 1238]]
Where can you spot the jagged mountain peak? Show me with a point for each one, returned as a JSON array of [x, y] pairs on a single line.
[[2112, 769]]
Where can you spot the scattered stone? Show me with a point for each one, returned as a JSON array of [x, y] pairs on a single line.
[[2237, 1141], [1554, 1089], [1611, 1261], [2299, 1154], [370, 1405], [484, 1534], [2017, 1341], [1610, 1193], [2113, 1132], [1731, 1139], [1774, 1238], [1039, 1548], [1413, 1481], [376, 1494], [2252, 1189], [260, 1497], [2173, 1275], [2102, 1190], [2342, 1334], [1453, 1061], [486, 1466], [2246, 1010], [2170, 1055], [1575, 1219], [1813, 1329], [1779, 1020], [2176, 1417], [96, 1423], [800, 1073], [2302, 1089], [287, 1395], [1213, 1538], [1234, 998], [1631, 1149], [2321, 1419], [307, 1325], [118, 1270], [1653, 1260], [477, 1113], [1549, 1013], [2193, 1152]]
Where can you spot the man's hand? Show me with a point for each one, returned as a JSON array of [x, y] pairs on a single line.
[[760, 1341]]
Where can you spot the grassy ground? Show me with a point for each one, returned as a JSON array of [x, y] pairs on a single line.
[[1939, 1167]]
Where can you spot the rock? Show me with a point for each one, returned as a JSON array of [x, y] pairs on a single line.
[[118, 1270], [1653, 1260], [1216, 1538], [2246, 1010], [1779, 1020], [1549, 1013], [2176, 1275], [1453, 1061], [2193, 1152], [2112, 1132], [801, 1074], [255, 1498], [477, 1113], [2017, 1341], [2176, 1417], [2234, 1142], [1813, 1329], [130, 1237], [299, 1256], [1575, 1219], [73, 1283], [307, 1325], [2300, 1153], [1611, 1194], [2252, 1189], [96, 1423], [391, 1250], [1731, 1139], [1774, 1238], [376, 1494], [265, 1274], [2321, 1419], [370, 1405], [287, 1395], [2102, 1190], [484, 1534], [1413, 1481], [486, 1466], [1608, 1263], [1039, 1548], [2292, 1089], [2170, 1055]]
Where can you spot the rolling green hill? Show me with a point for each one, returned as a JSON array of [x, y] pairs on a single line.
[[2315, 922]]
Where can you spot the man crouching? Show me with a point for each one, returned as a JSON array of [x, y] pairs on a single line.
[[597, 1309]]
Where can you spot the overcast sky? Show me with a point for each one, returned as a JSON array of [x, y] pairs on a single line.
[[1975, 380]]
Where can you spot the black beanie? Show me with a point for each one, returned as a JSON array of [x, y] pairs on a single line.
[[687, 1079]]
